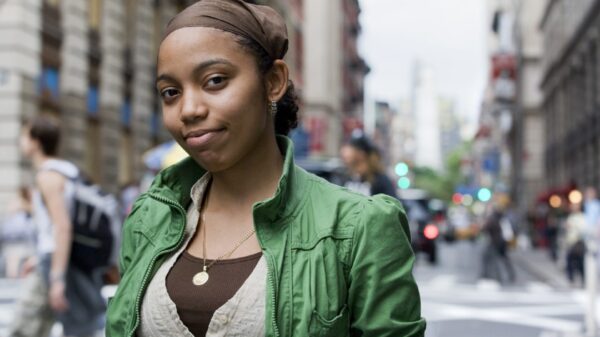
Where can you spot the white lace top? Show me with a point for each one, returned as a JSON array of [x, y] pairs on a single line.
[[242, 316]]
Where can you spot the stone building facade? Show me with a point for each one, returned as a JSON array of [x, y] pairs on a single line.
[[333, 72], [92, 65], [571, 100], [527, 137], [511, 139]]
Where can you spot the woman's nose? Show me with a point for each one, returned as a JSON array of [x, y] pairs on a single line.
[[193, 107]]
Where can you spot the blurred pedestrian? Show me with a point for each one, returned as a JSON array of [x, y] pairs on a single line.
[[538, 220], [17, 236], [495, 255], [363, 159], [53, 290], [554, 223], [129, 192], [591, 209], [575, 226], [266, 248]]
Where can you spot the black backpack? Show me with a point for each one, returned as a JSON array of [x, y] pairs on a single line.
[[96, 225]]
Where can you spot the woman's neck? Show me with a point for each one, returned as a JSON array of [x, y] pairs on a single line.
[[253, 179], [38, 159]]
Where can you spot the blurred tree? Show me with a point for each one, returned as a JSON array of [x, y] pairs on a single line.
[[443, 184]]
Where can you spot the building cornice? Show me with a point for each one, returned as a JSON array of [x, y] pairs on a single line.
[[547, 10], [570, 46]]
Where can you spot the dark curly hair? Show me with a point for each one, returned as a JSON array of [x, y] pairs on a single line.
[[286, 118]]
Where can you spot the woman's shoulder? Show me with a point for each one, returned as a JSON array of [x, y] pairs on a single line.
[[352, 204], [326, 194], [138, 211]]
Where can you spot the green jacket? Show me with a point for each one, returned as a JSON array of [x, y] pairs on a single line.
[[339, 264]]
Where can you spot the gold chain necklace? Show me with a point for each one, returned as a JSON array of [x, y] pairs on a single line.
[[202, 277]]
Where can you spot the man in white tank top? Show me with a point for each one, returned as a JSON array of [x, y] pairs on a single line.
[[46, 293]]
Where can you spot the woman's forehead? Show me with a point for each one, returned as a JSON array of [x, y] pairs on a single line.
[[190, 41], [190, 46]]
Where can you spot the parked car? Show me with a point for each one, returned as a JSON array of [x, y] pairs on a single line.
[[464, 227], [330, 169], [427, 220]]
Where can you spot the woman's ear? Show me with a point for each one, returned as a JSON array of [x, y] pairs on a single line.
[[277, 80]]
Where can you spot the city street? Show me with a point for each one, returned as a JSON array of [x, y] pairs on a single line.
[[457, 303], [482, 117], [9, 292]]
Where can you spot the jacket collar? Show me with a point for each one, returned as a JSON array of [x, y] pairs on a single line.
[[176, 183]]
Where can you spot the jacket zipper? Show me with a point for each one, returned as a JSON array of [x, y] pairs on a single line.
[[273, 297], [271, 282], [153, 261]]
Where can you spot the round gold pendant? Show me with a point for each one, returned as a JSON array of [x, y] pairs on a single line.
[[200, 279]]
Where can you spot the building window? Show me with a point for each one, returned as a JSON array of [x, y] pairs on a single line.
[[155, 124], [155, 117], [92, 157], [95, 13], [93, 101], [130, 17], [126, 113], [157, 27], [53, 3], [125, 159], [48, 88], [593, 77]]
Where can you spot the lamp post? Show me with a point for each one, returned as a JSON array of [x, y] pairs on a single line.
[[591, 285]]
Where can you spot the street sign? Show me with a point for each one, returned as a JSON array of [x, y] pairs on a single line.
[[4, 76]]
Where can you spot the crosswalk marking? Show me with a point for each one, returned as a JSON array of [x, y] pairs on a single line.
[[474, 295], [501, 315], [10, 291], [533, 304]]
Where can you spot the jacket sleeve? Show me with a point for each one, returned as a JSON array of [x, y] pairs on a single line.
[[128, 241], [383, 297]]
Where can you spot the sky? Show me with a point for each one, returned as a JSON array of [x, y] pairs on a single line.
[[449, 36]]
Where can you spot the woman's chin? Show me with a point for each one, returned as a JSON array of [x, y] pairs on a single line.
[[210, 161]]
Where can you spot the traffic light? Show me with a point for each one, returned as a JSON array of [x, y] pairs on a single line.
[[484, 194], [404, 183], [555, 201], [467, 200], [575, 197], [457, 198], [401, 169]]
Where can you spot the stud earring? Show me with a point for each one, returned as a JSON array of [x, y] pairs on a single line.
[[273, 108]]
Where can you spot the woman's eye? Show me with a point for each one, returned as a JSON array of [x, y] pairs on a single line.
[[215, 81], [169, 93]]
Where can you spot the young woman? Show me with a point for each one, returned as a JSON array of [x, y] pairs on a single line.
[[363, 160], [237, 240]]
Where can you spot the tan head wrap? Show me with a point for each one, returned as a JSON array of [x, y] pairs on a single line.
[[260, 24]]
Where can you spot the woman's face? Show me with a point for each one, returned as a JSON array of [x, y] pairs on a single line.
[[213, 96], [355, 159], [27, 145]]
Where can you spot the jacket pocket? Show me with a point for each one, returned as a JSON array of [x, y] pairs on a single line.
[[319, 280], [329, 327]]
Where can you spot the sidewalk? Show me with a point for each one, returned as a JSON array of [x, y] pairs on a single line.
[[539, 264]]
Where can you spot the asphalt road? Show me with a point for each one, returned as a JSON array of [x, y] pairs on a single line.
[[457, 302]]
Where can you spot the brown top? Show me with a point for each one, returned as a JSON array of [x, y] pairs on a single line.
[[196, 304]]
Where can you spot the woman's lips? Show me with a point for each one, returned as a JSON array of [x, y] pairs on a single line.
[[202, 139]]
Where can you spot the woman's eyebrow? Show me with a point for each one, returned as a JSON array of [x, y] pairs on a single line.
[[164, 77], [197, 69]]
